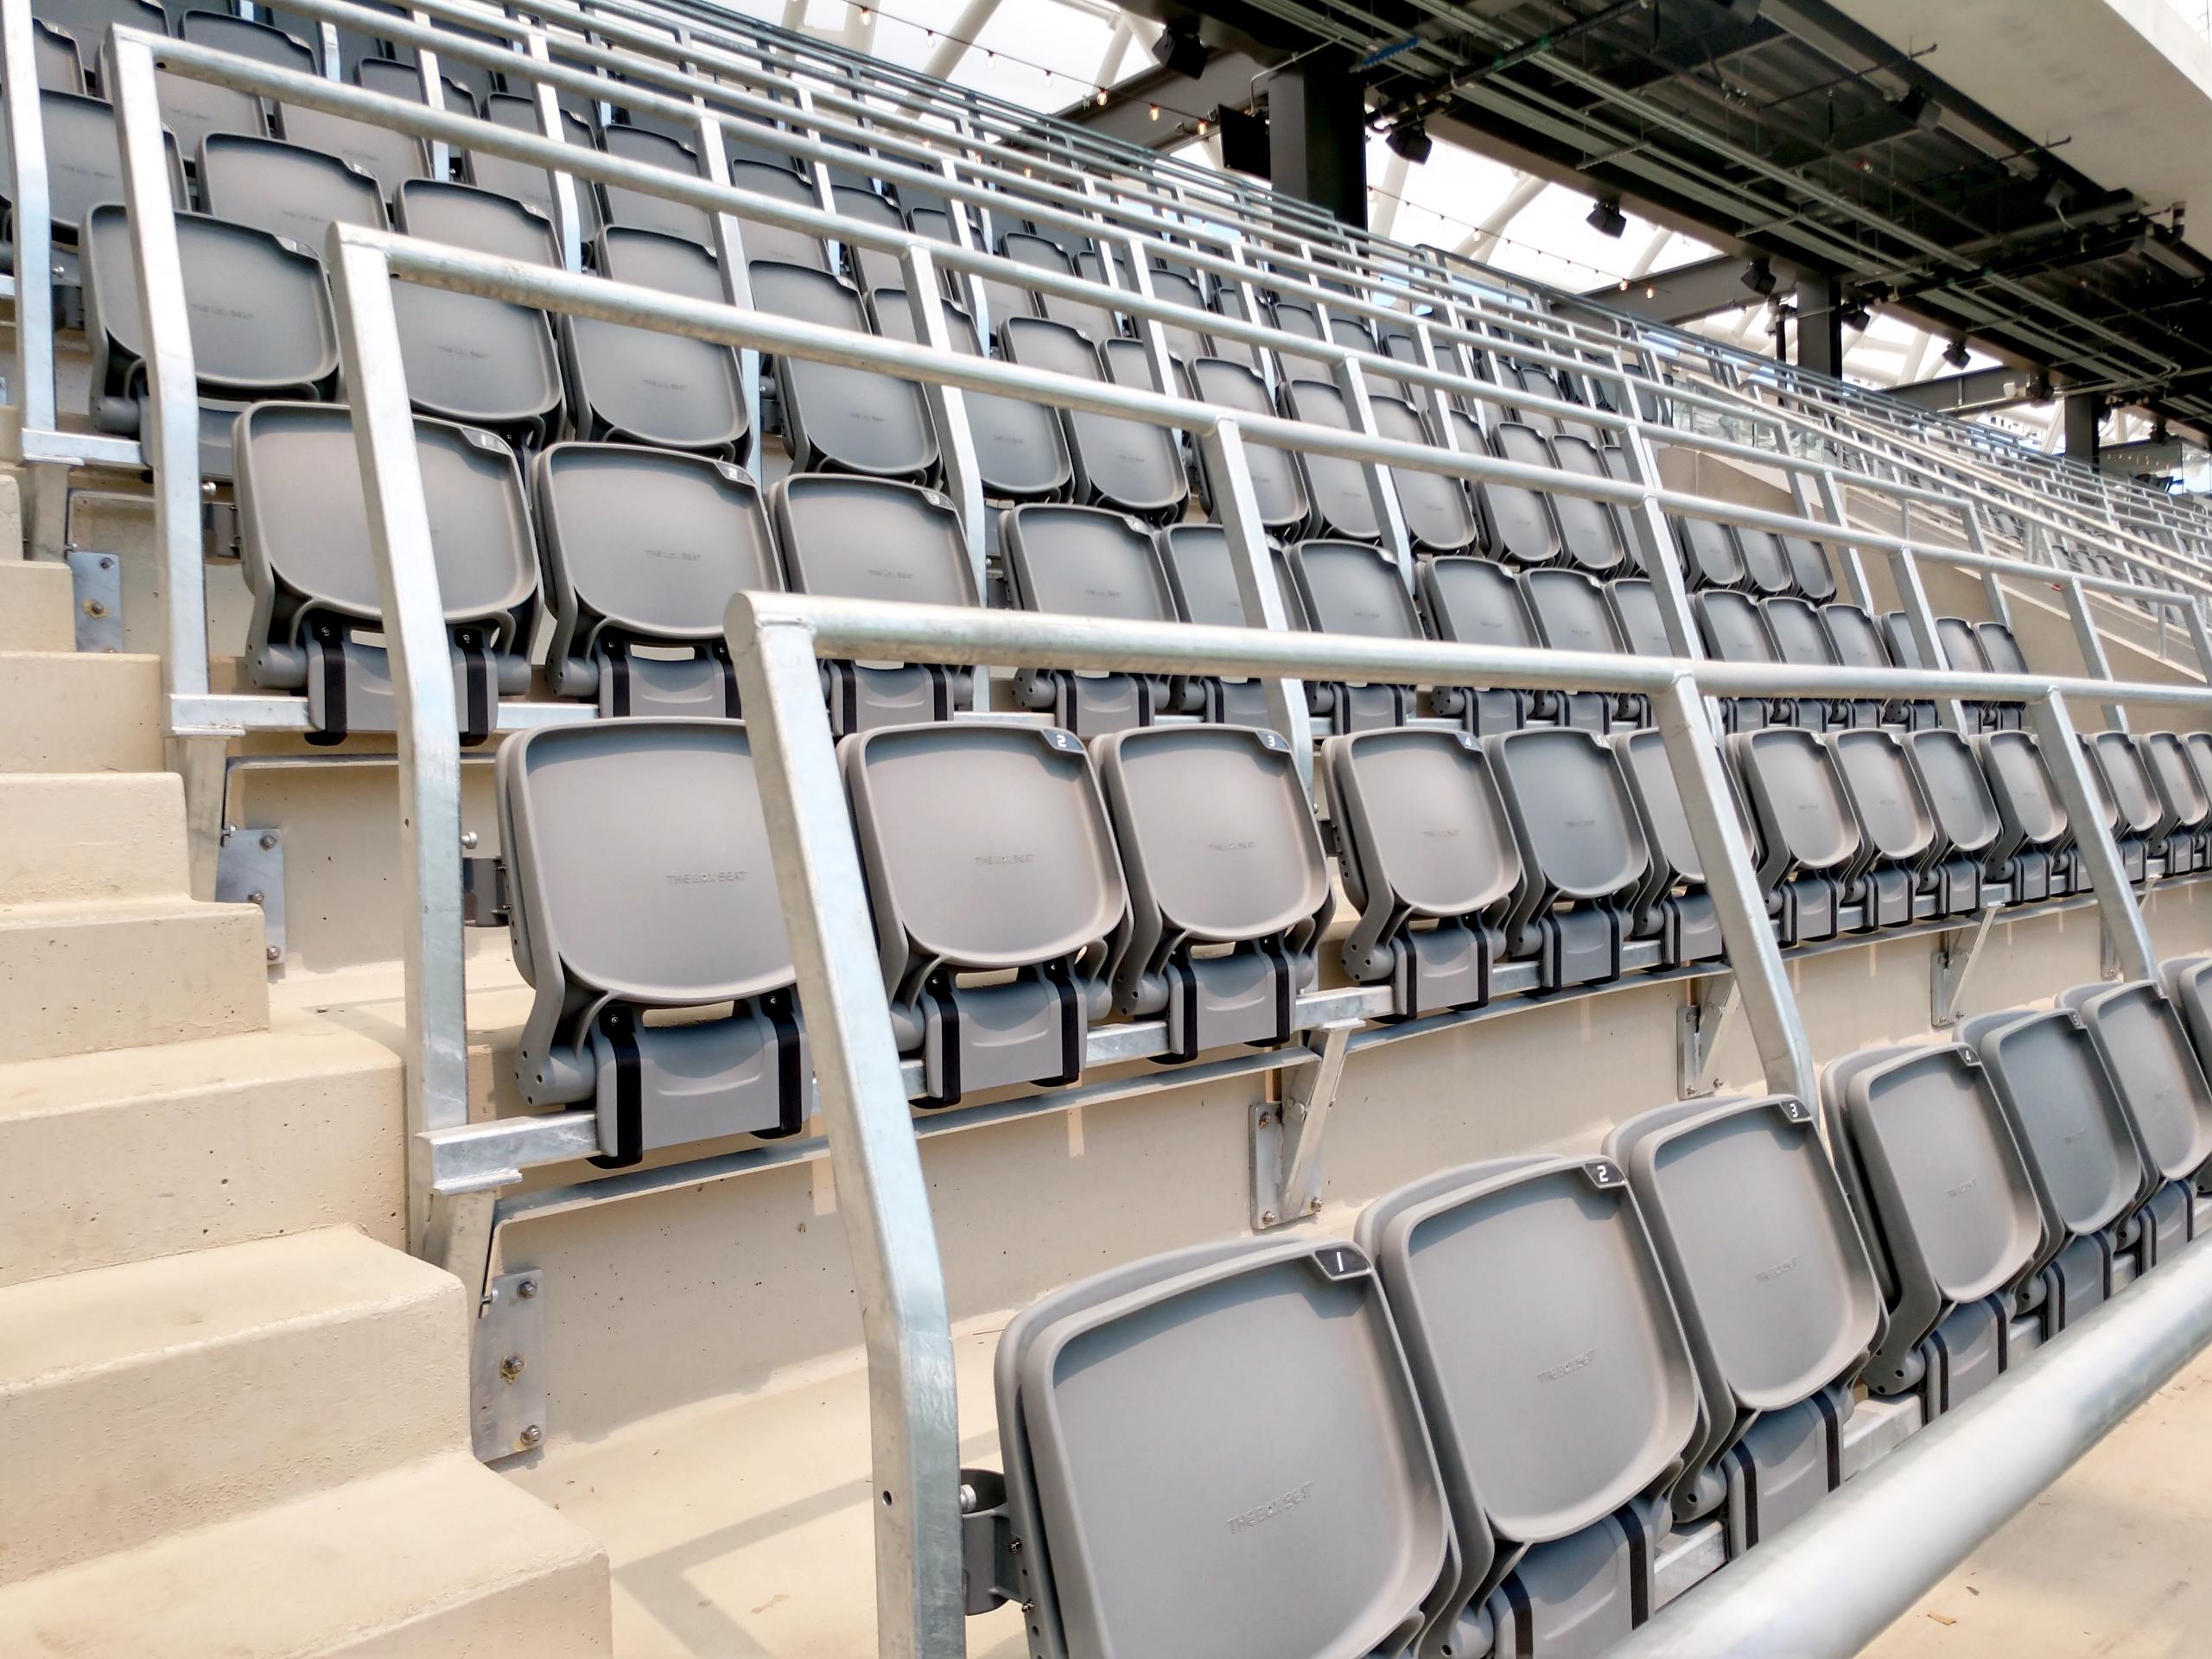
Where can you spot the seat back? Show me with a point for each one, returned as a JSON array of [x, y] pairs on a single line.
[[1472, 601], [871, 538], [1897, 824], [1338, 489], [1571, 612], [467, 358], [869, 268], [763, 241], [1635, 612], [1799, 637], [1129, 1405], [1711, 558], [1767, 569], [1962, 651], [1810, 570], [1734, 627], [389, 156], [1858, 642], [84, 164], [1085, 561], [1796, 795], [1120, 463], [2180, 793], [1350, 587], [1094, 322], [1518, 524], [1278, 486], [641, 879], [1590, 531], [1021, 451], [1438, 517], [1578, 837], [283, 189], [2129, 794], [642, 210], [1964, 811], [531, 186], [837, 417], [2144, 1046], [647, 385]]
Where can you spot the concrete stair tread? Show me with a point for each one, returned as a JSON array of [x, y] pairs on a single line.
[[443, 1558], [67, 711], [37, 604], [146, 1399], [103, 834]]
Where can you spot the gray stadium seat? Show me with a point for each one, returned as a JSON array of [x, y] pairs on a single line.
[[1278, 485], [2073, 1129], [1518, 525], [1087, 561], [284, 189], [1429, 863], [1130, 1406], [1559, 1388], [1203, 579], [1295, 317], [2130, 800], [646, 385], [1858, 644], [641, 209], [772, 242], [2181, 796], [303, 535], [1349, 588], [1473, 602], [835, 417], [1777, 1294], [54, 51], [876, 539], [1581, 846], [1119, 463], [480, 361], [1672, 907], [1735, 630], [1228, 887], [1590, 531], [1229, 301], [1710, 556], [1897, 826], [640, 882], [84, 167], [1094, 322], [2145, 1047], [1944, 1199], [1767, 569], [1636, 610], [1809, 569], [1801, 640], [1964, 815], [1184, 344], [2034, 848], [641, 550], [1020, 448], [87, 23], [1572, 614], [531, 186], [868, 269], [1808, 836], [261, 324], [1343, 509], [192, 109], [988, 851], [390, 157]]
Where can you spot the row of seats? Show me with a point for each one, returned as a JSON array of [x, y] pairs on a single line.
[[1024, 886], [1520, 1376]]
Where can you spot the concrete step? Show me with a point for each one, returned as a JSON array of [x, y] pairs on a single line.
[[80, 978], [61, 711], [131, 1153], [440, 1560], [142, 1401], [98, 834], [37, 606]]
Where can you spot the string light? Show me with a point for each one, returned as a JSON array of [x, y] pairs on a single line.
[[1102, 98], [1155, 111]]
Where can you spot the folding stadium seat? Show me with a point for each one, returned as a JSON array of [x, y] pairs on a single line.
[[2073, 1129], [531, 186], [54, 54], [1673, 906], [1348, 587], [1518, 525], [87, 23], [84, 168], [1801, 640], [480, 361], [1186, 343], [1229, 301], [1711, 558], [2034, 848], [1963, 814], [1590, 532], [1094, 322], [193, 109], [645, 385], [1572, 614], [1946, 1204], [1734, 629], [1343, 507], [1767, 569], [1088, 562], [641, 550], [304, 539], [1808, 837], [1437, 517], [1471, 602], [283, 189], [986, 851], [1537, 1317], [2130, 801], [1228, 887], [2147, 1050], [877, 538], [1858, 644], [1810, 571], [391, 157], [641, 209], [1581, 845], [763, 241], [1278, 482], [261, 324], [641, 883], [1129, 1405], [1019, 449], [836, 418], [1777, 1294], [1119, 463], [2187, 982], [1203, 578], [1295, 317], [867, 268], [1636, 613], [2184, 806], [1429, 863], [1898, 835]]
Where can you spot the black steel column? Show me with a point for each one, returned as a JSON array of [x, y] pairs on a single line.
[[1819, 323], [1316, 133], [2083, 410]]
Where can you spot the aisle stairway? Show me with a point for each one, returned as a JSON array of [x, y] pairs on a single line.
[[234, 1414]]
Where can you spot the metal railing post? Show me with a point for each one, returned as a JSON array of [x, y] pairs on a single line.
[[948, 411], [32, 392], [2069, 769], [883, 1197], [1221, 448]]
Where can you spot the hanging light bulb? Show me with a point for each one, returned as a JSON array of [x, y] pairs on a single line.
[[1202, 126], [1102, 98], [1155, 111]]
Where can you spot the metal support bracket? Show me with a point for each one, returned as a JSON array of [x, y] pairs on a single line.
[[506, 1368], [249, 870], [484, 900], [990, 1560], [1287, 1135], [1955, 955], [96, 585], [1697, 1025]]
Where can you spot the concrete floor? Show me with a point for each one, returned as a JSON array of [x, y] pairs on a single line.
[[2114, 1561]]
